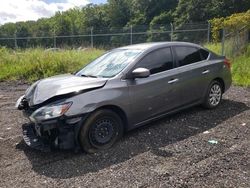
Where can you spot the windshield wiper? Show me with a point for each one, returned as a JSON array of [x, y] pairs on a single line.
[[90, 76]]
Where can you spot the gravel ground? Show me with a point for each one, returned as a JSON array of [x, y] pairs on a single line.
[[172, 152]]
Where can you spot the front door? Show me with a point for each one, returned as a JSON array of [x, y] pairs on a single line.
[[156, 94]]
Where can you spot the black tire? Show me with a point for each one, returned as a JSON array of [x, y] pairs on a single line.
[[213, 96], [100, 131]]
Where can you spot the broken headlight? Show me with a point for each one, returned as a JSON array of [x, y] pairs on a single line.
[[50, 112]]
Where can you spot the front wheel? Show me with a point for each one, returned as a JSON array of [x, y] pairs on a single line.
[[101, 130], [214, 95]]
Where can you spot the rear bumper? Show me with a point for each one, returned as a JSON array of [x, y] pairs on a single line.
[[227, 80], [54, 134]]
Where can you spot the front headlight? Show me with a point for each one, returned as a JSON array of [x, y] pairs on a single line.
[[49, 112]]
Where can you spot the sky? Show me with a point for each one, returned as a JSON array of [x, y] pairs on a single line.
[[23, 10]]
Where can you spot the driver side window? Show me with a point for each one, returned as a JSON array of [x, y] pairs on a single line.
[[157, 61]]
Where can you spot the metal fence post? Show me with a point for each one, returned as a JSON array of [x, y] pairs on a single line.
[[172, 31], [223, 42], [54, 39], [208, 32], [92, 37], [131, 34], [15, 40]]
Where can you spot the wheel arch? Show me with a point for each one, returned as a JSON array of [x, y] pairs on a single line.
[[119, 111], [221, 81]]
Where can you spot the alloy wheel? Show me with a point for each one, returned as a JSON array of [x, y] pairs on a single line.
[[215, 95]]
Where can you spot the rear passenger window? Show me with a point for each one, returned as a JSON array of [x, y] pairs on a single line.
[[187, 55], [157, 61], [204, 54]]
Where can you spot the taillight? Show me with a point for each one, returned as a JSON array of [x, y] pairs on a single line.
[[227, 63]]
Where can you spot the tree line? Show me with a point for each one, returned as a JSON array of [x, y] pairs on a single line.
[[114, 17]]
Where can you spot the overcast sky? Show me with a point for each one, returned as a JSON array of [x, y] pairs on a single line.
[[23, 10]]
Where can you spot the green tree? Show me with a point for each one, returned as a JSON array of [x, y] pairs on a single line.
[[23, 29], [161, 24], [144, 11], [190, 11], [116, 17], [7, 31]]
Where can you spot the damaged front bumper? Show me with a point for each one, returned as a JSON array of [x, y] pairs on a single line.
[[32, 139], [60, 133], [45, 135]]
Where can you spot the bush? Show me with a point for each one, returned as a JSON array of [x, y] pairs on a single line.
[[232, 23]]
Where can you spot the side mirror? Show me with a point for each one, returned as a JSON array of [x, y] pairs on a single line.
[[140, 73]]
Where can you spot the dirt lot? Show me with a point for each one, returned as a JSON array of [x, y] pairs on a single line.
[[172, 152]]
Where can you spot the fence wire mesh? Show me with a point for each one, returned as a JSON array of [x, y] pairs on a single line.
[[234, 42], [111, 37], [106, 38]]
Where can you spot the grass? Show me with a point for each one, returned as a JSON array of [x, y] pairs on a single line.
[[34, 64], [241, 69], [215, 47], [240, 64]]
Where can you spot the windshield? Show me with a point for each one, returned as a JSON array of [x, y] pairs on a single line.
[[109, 64]]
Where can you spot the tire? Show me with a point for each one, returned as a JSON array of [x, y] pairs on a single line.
[[214, 95], [100, 131]]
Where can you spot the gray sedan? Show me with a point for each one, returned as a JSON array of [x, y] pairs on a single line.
[[123, 89]]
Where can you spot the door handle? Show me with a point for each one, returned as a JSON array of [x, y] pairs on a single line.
[[206, 72], [173, 81]]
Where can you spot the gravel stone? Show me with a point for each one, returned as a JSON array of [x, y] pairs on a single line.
[[171, 152]]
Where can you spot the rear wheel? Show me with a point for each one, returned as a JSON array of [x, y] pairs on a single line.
[[101, 130], [214, 95]]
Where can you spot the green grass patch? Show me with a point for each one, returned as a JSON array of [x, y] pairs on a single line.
[[215, 47], [240, 64], [34, 64], [241, 69]]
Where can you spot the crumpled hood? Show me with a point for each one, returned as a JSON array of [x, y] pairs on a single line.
[[47, 88]]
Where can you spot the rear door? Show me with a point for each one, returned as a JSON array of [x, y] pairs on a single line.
[[193, 73], [149, 96]]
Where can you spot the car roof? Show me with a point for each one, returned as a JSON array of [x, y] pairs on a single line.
[[147, 46]]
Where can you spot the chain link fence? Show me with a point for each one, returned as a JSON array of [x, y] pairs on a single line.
[[113, 37], [234, 42], [107, 38]]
